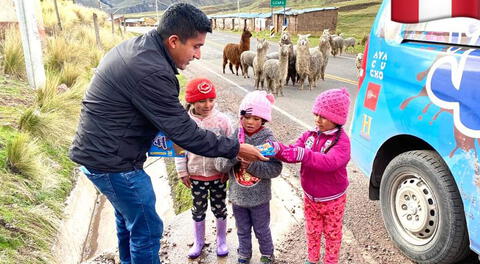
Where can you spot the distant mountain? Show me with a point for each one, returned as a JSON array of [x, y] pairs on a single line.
[[138, 6]]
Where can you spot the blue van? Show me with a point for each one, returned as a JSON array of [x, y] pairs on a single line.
[[416, 133]]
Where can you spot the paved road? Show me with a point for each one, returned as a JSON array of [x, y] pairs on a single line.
[[365, 238]]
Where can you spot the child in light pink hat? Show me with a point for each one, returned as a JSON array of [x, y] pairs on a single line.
[[250, 182], [324, 153]]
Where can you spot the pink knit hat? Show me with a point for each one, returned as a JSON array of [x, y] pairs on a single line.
[[257, 103], [333, 105]]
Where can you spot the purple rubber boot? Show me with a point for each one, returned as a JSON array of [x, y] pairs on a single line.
[[199, 236], [222, 248]]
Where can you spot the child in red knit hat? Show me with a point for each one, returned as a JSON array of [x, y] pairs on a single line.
[[324, 154], [199, 173]]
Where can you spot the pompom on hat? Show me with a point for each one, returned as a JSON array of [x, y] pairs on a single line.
[[257, 103], [199, 89], [333, 105]]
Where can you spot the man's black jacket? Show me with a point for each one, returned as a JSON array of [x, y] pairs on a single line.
[[133, 94]]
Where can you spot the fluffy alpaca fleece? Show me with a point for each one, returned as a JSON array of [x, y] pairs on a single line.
[[325, 49], [302, 63], [358, 64], [259, 60], [349, 42], [231, 52], [276, 70], [285, 39], [337, 45], [246, 60], [316, 63]]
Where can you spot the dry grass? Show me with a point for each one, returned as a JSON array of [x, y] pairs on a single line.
[[35, 171], [23, 157], [13, 60], [52, 99]]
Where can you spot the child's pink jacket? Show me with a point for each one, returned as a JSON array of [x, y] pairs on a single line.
[[198, 166], [323, 176]]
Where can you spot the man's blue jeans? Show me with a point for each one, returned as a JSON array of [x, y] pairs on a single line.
[[139, 228]]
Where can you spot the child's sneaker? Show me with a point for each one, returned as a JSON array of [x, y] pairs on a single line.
[[267, 259], [243, 260]]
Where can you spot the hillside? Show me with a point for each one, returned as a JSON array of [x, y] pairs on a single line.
[[215, 6], [138, 6]]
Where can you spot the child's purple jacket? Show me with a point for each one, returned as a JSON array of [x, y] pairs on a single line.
[[323, 176]]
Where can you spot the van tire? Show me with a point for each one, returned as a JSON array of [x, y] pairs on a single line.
[[417, 194]]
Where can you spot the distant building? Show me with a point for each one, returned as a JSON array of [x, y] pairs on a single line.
[[117, 18], [311, 20], [250, 21], [7, 14], [134, 22]]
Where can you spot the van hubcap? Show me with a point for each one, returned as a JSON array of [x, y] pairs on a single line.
[[415, 209]]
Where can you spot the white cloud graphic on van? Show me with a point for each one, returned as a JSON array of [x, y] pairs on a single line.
[[453, 83]]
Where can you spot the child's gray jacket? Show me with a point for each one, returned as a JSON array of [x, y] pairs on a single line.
[[260, 192]]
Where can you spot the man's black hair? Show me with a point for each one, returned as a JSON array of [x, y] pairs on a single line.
[[183, 20]]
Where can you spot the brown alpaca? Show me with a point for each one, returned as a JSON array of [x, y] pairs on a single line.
[[232, 52]]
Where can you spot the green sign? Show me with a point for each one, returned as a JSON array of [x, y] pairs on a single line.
[[274, 3]]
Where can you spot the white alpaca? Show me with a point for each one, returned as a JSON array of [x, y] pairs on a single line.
[[302, 63], [259, 60], [276, 70], [246, 60]]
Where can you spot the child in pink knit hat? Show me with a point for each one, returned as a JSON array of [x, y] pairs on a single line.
[[250, 182], [324, 153]]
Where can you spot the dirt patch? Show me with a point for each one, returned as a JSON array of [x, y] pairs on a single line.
[[12, 101], [14, 93]]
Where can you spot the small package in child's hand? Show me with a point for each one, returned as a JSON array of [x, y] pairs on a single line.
[[266, 149], [163, 147]]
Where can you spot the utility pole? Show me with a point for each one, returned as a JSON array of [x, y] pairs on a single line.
[[113, 23], [97, 31], [156, 10], [31, 42]]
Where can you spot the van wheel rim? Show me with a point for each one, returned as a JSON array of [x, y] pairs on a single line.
[[415, 209]]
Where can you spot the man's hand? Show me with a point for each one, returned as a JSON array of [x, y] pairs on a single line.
[[186, 181], [250, 153], [244, 164]]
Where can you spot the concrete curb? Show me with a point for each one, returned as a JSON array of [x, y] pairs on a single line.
[[75, 226], [88, 228]]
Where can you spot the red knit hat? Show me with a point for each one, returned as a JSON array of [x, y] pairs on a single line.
[[199, 89]]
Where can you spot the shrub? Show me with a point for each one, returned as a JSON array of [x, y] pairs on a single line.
[[13, 61], [23, 157], [49, 126]]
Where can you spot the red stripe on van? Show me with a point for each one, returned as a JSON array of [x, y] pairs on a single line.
[[405, 11], [466, 8]]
